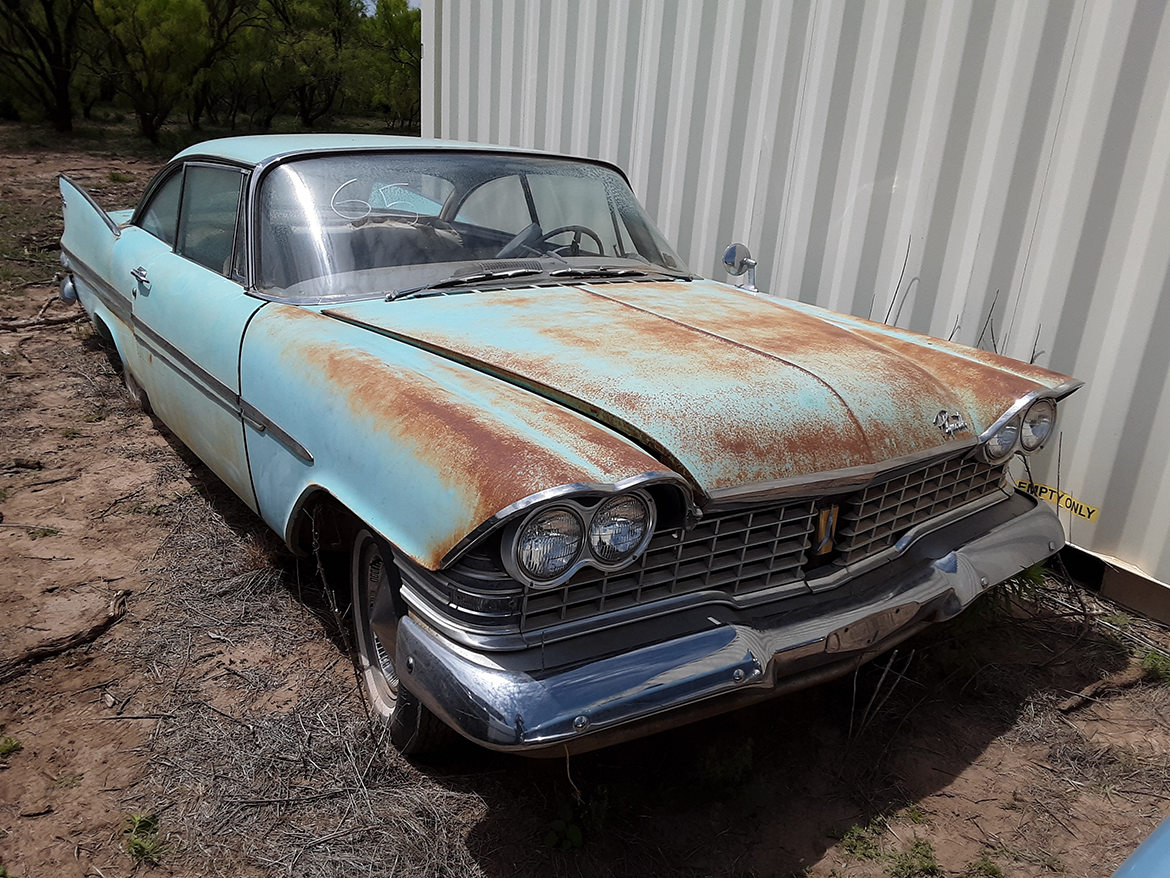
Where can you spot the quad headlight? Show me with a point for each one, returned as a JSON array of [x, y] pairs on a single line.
[[549, 545], [1038, 424], [618, 528], [1026, 432], [1003, 442]]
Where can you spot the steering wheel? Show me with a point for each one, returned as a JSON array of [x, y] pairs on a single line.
[[574, 247]]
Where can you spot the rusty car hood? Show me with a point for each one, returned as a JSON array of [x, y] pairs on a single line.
[[728, 388]]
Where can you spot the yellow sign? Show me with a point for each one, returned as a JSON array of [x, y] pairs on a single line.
[[1064, 501]]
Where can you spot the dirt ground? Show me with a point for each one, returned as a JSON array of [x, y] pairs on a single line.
[[176, 696]]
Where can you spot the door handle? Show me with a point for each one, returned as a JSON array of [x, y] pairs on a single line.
[[139, 274]]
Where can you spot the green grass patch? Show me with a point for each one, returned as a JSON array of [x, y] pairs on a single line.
[[982, 868], [1157, 668], [9, 745], [119, 177], [864, 842], [918, 862], [142, 840], [71, 433], [39, 533]]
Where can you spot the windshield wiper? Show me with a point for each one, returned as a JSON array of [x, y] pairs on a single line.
[[604, 271], [459, 280]]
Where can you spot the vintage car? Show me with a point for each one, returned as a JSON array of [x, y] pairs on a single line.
[[584, 494]]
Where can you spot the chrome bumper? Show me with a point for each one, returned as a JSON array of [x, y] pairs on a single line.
[[495, 700]]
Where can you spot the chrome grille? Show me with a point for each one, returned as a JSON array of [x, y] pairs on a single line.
[[876, 518], [739, 553]]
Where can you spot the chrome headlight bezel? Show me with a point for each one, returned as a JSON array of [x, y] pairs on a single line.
[[994, 449], [1039, 405], [584, 509]]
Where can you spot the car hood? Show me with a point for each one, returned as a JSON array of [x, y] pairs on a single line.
[[730, 389]]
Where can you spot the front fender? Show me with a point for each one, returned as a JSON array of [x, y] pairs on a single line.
[[421, 449]]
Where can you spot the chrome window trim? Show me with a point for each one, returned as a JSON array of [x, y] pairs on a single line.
[[663, 477]]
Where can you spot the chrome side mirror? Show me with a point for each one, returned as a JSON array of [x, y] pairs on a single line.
[[737, 259]]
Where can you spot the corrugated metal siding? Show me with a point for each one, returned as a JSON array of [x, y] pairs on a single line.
[[994, 173]]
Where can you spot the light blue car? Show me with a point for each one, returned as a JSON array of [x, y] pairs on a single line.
[[1152, 858], [584, 494]]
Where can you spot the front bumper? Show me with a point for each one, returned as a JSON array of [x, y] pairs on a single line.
[[514, 702]]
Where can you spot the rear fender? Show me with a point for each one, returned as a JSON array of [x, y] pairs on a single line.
[[87, 251]]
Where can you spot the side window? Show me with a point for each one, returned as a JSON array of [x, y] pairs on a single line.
[[498, 204], [161, 217], [207, 221]]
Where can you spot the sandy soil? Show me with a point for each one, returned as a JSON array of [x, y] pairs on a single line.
[[223, 704]]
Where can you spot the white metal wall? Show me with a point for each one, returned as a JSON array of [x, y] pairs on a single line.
[[998, 173]]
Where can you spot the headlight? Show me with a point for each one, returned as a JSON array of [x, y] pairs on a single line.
[[1003, 442], [1038, 423], [549, 543], [618, 528]]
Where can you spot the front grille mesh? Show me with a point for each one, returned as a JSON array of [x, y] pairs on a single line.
[[766, 548], [738, 553], [876, 518]]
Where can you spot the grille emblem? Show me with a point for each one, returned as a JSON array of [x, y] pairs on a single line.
[[950, 423]]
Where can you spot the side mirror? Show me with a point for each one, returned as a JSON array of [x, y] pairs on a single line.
[[737, 259]]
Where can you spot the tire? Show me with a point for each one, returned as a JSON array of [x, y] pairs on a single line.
[[414, 730], [136, 392]]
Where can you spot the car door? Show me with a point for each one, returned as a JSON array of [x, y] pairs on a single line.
[[190, 310]]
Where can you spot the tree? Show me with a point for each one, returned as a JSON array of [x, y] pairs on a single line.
[[160, 47], [392, 39], [40, 50]]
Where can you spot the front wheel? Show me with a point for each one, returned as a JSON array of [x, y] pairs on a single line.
[[377, 607]]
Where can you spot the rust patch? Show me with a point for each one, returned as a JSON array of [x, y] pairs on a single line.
[[471, 450]]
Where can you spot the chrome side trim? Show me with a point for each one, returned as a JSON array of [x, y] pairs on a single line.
[[216, 390], [257, 420], [118, 303], [191, 370], [831, 481], [638, 481], [1054, 393], [110, 224]]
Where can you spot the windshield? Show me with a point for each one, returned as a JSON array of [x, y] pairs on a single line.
[[354, 225]]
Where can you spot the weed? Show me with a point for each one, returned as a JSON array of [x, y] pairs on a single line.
[[146, 509], [66, 781], [95, 416], [118, 177], [9, 745], [563, 833], [918, 862], [983, 868], [863, 842], [720, 772], [1120, 620], [142, 841], [4, 872], [36, 533], [1157, 668], [915, 815], [1052, 863], [3, 495], [71, 433]]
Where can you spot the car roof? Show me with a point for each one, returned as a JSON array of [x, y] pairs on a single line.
[[258, 148]]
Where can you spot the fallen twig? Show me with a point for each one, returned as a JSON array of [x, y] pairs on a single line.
[[32, 322], [47, 649], [1124, 680]]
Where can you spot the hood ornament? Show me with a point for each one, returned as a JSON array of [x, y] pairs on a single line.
[[950, 423]]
